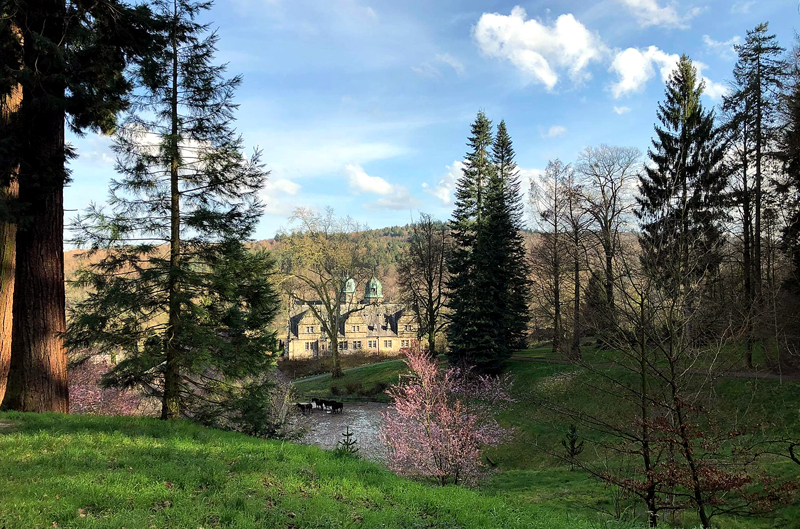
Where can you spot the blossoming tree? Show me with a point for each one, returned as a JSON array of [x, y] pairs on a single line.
[[441, 420]]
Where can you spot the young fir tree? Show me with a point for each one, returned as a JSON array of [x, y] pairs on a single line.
[[680, 202], [174, 290], [509, 260], [471, 332]]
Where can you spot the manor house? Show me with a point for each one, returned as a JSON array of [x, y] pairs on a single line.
[[378, 327]]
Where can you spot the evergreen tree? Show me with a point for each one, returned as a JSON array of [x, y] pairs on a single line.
[[61, 64], [789, 189], [680, 206], [175, 290], [471, 331], [504, 227], [753, 125]]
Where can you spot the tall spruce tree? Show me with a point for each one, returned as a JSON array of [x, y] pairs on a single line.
[[754, 126], [504, 226], [471, 331], [680, 204], [175, 291], [61, 64], [789, 189]]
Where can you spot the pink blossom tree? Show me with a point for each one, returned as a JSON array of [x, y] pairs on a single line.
[[88, 396], [440, 421]]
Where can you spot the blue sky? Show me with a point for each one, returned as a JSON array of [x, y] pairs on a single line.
[[365, 105]]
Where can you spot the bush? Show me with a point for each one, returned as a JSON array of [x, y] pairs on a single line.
[[334, 389], [354, 387]]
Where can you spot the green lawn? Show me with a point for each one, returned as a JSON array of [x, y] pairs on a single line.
[[363, 380], [528, 475], [101, 472]]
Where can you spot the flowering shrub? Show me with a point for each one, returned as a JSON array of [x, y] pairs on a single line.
[[441, 420], [87, 396]]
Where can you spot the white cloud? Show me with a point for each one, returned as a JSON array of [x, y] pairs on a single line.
[[447, 183], [724, 49], [555, 130], [538, 50], [650, 13], [428, 69], [399, 200], [622, 110], [361, 182], [282, 186], [276, 195], [743, 7], [635, 67], [451, 61]]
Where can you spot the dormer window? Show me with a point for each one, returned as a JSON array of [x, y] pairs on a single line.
[[310, 330], [356, 328]]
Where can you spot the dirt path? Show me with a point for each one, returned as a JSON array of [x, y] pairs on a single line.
[[364, 419], [762, 375]]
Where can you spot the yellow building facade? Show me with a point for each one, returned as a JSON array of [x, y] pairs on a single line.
[[376, 327]]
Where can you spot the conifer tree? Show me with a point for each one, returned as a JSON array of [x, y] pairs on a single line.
[[471, 338], [504, 226], [789, 188], [680, 206], [62, 64], [175, 291]]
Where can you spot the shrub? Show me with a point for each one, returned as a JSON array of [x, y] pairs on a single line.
[[354, 387], [441, 420], [88, 396], [334, 389]]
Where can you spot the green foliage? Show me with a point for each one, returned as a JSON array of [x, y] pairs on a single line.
[[488, 282], [347, 446], [89, 472], [680, 206], [373, 380], [177, 294], [573, 445]]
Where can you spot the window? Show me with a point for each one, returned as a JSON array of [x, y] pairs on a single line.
[[310, 330], [357, 344], [387, 344], [408, 328], [308, 346], [405, 343], [372, 344], [356, 328], [343, 345]]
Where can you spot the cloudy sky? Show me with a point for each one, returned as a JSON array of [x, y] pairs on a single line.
[[365, 105]]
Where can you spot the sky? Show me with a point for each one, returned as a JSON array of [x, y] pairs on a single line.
[[365, 105]]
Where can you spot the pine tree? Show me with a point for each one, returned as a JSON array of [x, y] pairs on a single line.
[[680, 206], [176, 291], [505, 228], [753, 125], [471, 337], [789, 189]]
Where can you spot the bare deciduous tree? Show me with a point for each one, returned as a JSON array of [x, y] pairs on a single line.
[[422, 275]]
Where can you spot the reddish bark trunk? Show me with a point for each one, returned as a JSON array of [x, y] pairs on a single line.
[[37, 379], [9, 193]]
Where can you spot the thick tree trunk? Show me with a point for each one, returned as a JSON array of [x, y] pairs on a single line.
[[9, 194], [37, 378]]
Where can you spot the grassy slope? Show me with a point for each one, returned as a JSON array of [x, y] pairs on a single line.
[[368, 376], [530, 477], [93, 472]]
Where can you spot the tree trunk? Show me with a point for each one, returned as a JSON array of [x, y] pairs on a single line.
[[747, 260], [170, 406], [576, 331], [37, 379], [336, 365], [9, 193]]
